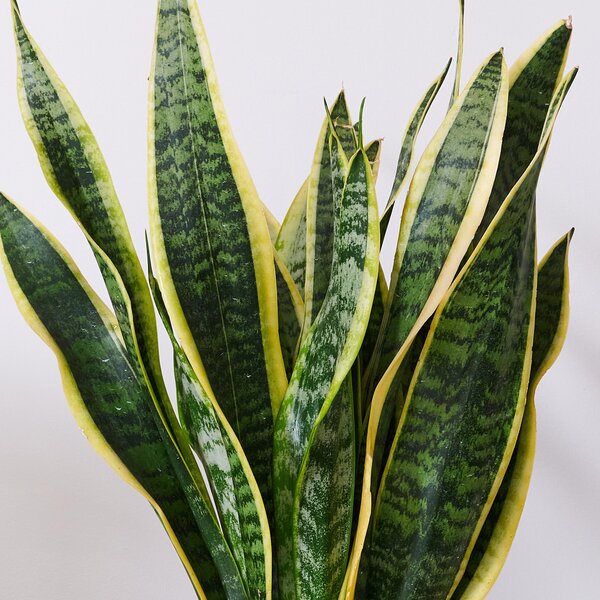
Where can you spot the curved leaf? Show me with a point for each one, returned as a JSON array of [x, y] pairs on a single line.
[[110, 400], [328, 352], [498, 532], [77, 173], [461, 416], [235, 492], [291, 241], [291, 314]]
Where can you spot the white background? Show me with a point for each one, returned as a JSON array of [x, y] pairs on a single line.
[[69, 528]]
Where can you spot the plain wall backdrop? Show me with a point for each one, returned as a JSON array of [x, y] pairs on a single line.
[[69, 528]]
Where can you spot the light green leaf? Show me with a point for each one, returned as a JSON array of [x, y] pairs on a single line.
[[291, 241], [446, 201], [324, 501], [327, 353]]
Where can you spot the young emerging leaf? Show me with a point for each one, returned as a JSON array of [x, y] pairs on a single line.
[[325, 359]]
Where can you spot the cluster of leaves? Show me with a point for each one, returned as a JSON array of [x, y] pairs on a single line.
[[357, 440]]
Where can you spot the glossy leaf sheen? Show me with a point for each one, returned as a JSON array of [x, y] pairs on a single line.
[[328, 352]]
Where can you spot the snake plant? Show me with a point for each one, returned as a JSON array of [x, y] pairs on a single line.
[[337, 436]]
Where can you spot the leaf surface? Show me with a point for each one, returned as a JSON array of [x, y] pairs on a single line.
[[409, 141], [498, 532], [234, 489], [533, 80], [110, 400], [210, 240], [328, 352]]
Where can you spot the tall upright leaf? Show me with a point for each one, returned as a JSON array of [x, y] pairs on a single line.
[[235, 491], [327, 353], [499, 529], [320, 210], [533, 80], [444, 207], [445, 204], [405, 160], [469, 391], [210, 239], [110, 399]]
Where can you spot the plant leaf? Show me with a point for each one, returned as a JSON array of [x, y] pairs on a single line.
[[533, 80], [291, 241], [459, 52], [328, 352], [445, 203], [447, 198], [76, 172], [210, 239], [464, 408], [291, 314], [110, 400], [320, 210], [409, 141], [498, 532], [324, 501], [235, 491]]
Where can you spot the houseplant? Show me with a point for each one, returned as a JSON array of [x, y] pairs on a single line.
[[350, 371]]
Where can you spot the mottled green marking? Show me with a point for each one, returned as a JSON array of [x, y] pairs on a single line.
[[291, 315], [530, 94], [427, 239], [291, 241], [320, 208], [462, 415], [497, 533], [324, 501], [328, 351], [409, 141], [232, 492], [115, 397], [207, 238]]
